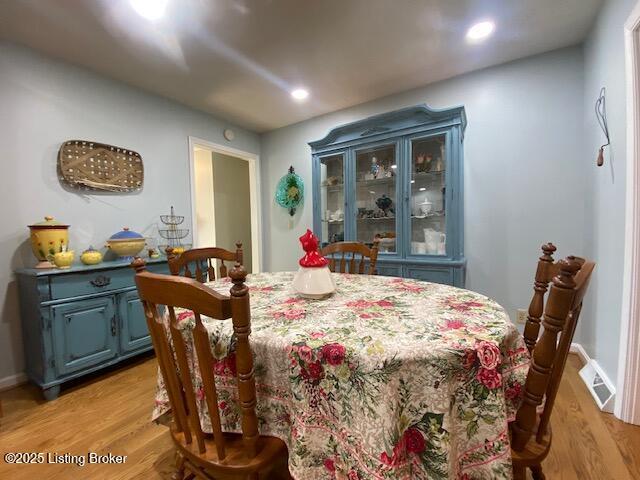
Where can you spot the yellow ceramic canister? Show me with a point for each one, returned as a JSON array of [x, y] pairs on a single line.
[[91, 256], [62, 259], [48, 238]]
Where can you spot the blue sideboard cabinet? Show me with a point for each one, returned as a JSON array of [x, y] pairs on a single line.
[[398, 178], [79, 320]]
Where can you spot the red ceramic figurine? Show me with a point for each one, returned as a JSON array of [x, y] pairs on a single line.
[[313, 279], [312, 257]]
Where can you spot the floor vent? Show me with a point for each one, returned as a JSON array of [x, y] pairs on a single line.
[[599, 385]]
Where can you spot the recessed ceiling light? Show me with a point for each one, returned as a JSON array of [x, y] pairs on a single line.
[[413, 181], [480, 31], [422, 189], [299, 94], [394, 166], [150, 9]]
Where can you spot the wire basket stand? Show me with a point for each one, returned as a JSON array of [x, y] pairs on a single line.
[[172, 233]]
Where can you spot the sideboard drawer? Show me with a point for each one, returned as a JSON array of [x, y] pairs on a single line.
[[87, 283], [77, 284]]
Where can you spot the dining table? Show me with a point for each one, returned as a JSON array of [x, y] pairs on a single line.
[[388, 378]]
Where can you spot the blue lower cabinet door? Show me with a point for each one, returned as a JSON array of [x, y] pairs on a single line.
[[432, 274], [134, 334], [389, 270], [84, 333]]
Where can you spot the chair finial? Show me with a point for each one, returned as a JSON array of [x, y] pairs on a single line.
[[139, 265], [238, 276], [548, 249], [239, 253], [568, 269]]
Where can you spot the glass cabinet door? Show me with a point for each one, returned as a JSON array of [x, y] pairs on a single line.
[[428, 191], [375, 209], [332, 198]]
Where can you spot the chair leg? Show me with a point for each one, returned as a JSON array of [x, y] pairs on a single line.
[[536, 472], [519, 473], [179, 473]]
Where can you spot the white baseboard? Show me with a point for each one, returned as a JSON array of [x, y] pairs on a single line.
[[12, 381], [581, 352]]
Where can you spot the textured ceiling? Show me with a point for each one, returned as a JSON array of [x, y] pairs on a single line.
[[240, 59]]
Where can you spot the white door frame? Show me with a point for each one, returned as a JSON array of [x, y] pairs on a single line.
[[627, 405], [254, 188]]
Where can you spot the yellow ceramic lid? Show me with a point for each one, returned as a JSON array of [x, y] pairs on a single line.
[[49, 222]]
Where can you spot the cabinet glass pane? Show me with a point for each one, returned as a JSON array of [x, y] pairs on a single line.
[[376, 196], [332, 198], [428, 221]]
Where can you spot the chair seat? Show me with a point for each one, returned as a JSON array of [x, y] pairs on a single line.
[[272, 452], [534, 452]]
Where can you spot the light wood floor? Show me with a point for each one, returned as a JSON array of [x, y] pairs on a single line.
[[110, 413]]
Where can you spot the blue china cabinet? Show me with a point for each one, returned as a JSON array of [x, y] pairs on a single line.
[[398, 178], [81, 319]]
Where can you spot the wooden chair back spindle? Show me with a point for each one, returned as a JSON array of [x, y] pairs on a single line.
[[241, 316], [544, 273], [203, 262], [343, 257], [178, 292]]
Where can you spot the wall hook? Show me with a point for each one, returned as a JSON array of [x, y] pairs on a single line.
[[601, 115]]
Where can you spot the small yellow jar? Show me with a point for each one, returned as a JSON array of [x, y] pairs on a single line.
[[62, 259], [91, 256]]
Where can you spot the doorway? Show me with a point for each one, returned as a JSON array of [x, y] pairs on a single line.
[[224, 194], [627, 406]]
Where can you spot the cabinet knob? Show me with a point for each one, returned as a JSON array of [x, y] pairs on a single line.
[[100, 281], [113, 326]]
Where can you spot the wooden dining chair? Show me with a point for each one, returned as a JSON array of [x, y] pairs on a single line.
[[200, 263], [530, 432], [352, 251], [220, 454]]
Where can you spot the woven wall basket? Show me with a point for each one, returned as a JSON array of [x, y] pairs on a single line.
[[97, 166]]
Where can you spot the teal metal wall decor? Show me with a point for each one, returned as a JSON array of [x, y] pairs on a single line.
[[290, 191]]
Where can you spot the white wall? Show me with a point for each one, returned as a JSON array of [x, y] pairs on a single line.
[[44, 102], [599, 328], [205, 213], [524, 168]]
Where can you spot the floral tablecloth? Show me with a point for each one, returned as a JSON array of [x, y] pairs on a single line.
[[388, 378]]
